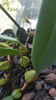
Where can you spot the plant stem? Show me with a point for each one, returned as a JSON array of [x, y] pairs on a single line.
[[24, 86], [6, 51]]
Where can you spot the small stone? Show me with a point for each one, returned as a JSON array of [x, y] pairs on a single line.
[[39, 97], [39, 85], [46, 87], [28, 96], [30, 46], [47, 98], [50, 77], [1, 89], [52, 92], [54, 98]]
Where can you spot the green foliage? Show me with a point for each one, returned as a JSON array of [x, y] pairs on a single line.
[[18, 20], [16, 93], [6, 51], [9, 39], [44, 44], [8, 98]]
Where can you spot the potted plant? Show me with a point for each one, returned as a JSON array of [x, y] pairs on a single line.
[[43, 51]]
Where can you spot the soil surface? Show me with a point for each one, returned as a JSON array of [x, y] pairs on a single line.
[[42, 89]]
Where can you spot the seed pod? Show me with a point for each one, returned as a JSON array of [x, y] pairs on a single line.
[[4, 45], [16, 94], [4, 66], [31, 76], [3, 82], [23, 49], [24, 61]]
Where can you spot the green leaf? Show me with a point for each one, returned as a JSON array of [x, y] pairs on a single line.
[[8, 98], [16, 93], [18, 20], [9, 39], [6, 51], [44, 43]]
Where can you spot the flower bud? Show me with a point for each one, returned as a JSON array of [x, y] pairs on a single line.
[[23, 49], [31, 76], [24, 61], [3, 82], [4, 66], [4, 45]]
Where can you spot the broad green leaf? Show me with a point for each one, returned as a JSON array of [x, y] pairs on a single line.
[[44, 43], [18, 20], [9, 39], [8, 98], [6, 51]]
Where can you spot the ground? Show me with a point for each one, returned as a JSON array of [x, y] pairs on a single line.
[[44, 88]]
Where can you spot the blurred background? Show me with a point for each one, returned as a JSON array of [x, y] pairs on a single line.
[[32, 8]]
